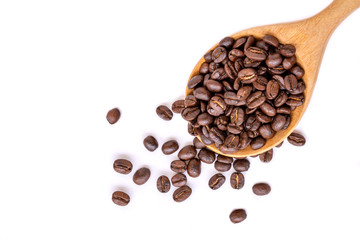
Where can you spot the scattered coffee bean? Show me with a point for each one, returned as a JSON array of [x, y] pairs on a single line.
[[296, 139], [179, 180], [237, 215], [141, 176], [261, 189], [241, 165], [237, 180], [170, 147], [122, 166], [206, 156], [163, 184], [188, 152], [194, 167], [182, 193], [150, 143], [266, 156], [120, 198], [178, 106], [223, 163], [113, 115], [164, 112], [178, 166], [216, 181]]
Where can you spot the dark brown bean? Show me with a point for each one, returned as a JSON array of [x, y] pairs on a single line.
[[278, 122], [272, 89], [214, 86], [216, 181], [150, 143], [226, 42], [170, 147], [255, 99], [237, 216], [122, 166], [257, 143], [178, 106], [198, 144], [241, 165], [237, 180], [206, 156], [194, 168], [244, 93], [188, 152], [202, 93], [296, 139], [182, 193], [256, 53], [247, 75], [266, 131], [113, 115], [178, 180], [164, 112], [178, 166], [163, 184], [287, 50], [266, 156], [261, 189], [204, 68], [190, 113], [141, 176], [219, 54], [269, 39], [120, 198], [195, 80]]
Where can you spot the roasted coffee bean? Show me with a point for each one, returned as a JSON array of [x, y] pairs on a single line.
[[277, 70], [239, 42], [252, 123], [295, 100], [219, 74], [214, 86], [234, 54], [278, 122], [287, 50], [141, 176], [249, 111], [272, 89], [113, 115], [224, 159], [163, 184], [164, 112], [260, 83], [150, 143], [268, 109], [178, 166], [222, 122], [237, 180], [261, 117], [280, 80], [213, 66], [262, 44], [237, 216], [194, 167], [289, 62], [202, 93], [234, 129], [261, 70], [219, 54], [202, 106], [230, 144], [195, 80], [206, 156], [253, 134], [251, 63], [239, 64], [206, 140], [273, 60], [120, 198], [299, 89], [241, 165], [249, 42], [266, 156], [255, 99], [188, 152], [287, 123], [280, 99], [205, 119], [228, 110], [297, 71], [283, 110], [244, 93], [182, 193], [269, 39], [266, 131], [261, 189], [178, 106], [257, 143], [204, 68], [216, 181], [178, 180], [208, 57], [222, 167], [205, 130], [191, 130], [237, 116], [290, 82], [217, 135], [230, 98], [227, 86], [247, 75], [190, 101], [227, 42], [198, 144], [216, 106], [170, 147], [296, 139], [255, 53], [244, 140], [190, 113], [122, 166], [230, 70]]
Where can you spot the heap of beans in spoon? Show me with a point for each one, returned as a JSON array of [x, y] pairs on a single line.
[[243, 93]]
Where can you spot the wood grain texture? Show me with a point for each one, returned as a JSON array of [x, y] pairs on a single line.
[[310, 37]]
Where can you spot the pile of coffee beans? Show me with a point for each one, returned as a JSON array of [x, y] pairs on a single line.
[[243, 93]]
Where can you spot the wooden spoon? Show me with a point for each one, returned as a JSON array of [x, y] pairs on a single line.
[[310, 37]]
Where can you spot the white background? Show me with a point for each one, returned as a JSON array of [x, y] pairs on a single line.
[[64, 64]]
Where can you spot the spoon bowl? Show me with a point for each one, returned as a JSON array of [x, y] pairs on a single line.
[[310, 37]]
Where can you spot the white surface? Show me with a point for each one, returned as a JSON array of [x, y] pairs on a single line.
[[64, 64]]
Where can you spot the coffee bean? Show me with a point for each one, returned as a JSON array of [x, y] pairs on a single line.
[[287, 123], [195, 80], [296, 139], [216, 106], [277, 70], [230, 144], [290, 82], [262, 44], [204, 68], [230, 70], [283, 110], [120, 198], [234, 129], [266, 156], [217, 135], [287, 50], [219, 74], [206, 156], [219, 54], [122, 166], [261, 189], [234, 54], [297, 71], [213, 66], [257, 143], [237, 180], [237, 116], [272, 89], [178, 106], [255, 99], [188, 152], [256, 53], [249, 42], [222, 167], [150, 143], [182, 193], [252, 123], [222, 122], [178, 166], [241, 165], [190, 113], [163, 184], [227, 42], [280, 99], [266, 131], [299, 89], [164, 112], [239, 42], [202, 93], [141, 176], [268, 109], [260, 83], [230, 98], [261, 117], [289, 62], [205, 119], [295, 100], [113, 115], [190, 101], [194, 167], [214, 86], [216, 181], [278, 122], [247, 75], [179, 180], [237, 216], [170, 147], [198, 144], [273, 60], [206, 140], [269, 39], [244, 93], [244, 140]]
